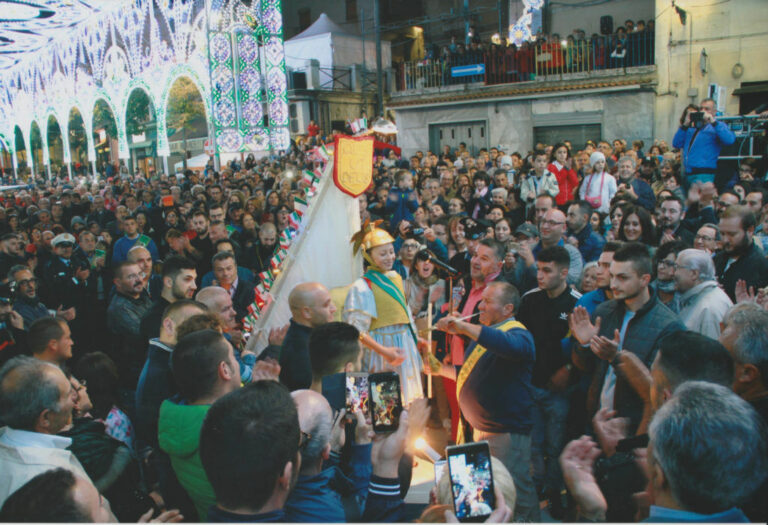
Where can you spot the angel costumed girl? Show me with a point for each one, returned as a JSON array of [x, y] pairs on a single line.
[[376, 306]]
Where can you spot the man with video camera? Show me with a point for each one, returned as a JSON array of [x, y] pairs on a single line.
[[701, 137]]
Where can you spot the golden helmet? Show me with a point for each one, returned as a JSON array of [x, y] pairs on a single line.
[[370, 236]]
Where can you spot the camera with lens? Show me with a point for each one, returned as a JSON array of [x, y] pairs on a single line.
[[416, 234], [697, 116], [474, 229]]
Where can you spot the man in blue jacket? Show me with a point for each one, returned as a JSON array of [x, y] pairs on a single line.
[[632, 187], [493, 386], [701, 142], [318, 493], [250, 445], [580, 233]]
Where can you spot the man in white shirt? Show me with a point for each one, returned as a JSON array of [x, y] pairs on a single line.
[[36, 402], [703, 304]]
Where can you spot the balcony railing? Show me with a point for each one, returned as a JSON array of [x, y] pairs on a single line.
[[529, 62]]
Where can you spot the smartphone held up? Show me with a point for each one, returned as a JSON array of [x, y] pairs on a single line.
[[357, 393], [385, 401], [469, 467]]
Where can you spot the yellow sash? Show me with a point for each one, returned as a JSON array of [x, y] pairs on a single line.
[[388, 310], [469, 365]]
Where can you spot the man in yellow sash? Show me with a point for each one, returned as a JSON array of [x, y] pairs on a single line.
[[493, 386]]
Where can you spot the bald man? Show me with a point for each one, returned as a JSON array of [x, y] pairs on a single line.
[[153, 283], [552, 228], [313, 498], [311, 306], [219, 302]]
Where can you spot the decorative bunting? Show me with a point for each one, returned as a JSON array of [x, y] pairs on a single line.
[[299, 206], [309, 177], [262, 296]]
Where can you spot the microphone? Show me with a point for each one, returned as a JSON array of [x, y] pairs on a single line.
[[429, 256]]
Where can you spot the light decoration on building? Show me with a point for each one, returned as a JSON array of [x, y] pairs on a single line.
[[277, 97], [521, 31], [246, 58], [59, 55]]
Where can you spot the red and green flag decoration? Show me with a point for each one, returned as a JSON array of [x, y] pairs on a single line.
[[249, 321], [309, 177], [267, 277], [277, 259], [321, 153], [285, 239], [294, 220], [299, 206], [358, 125]]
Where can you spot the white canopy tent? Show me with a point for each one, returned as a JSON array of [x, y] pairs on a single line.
[[333, 46], [195, 163]]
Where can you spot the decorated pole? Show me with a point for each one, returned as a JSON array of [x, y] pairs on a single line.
[[429, 347]]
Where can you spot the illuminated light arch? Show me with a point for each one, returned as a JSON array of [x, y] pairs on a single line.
[[4, 146], [106, 49], [25, 141], [63, 128], [104, 97], [140, 85], [182, 70], [30, 150], [86, 128], [54, 115]]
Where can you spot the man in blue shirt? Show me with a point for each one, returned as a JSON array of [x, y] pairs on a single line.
[[701, 142], [633, 188], [129, 239], [493, 386]]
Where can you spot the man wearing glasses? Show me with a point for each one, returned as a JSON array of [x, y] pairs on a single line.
[[703, 304], [26, 300], [552, 228]]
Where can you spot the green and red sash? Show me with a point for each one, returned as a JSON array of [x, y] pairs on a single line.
[[391, 289]]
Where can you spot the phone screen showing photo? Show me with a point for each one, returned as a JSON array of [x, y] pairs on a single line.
[[439, 469], [357, 393], [471, 481], [385, 402]]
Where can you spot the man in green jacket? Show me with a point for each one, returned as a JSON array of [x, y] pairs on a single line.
[[205, 369]]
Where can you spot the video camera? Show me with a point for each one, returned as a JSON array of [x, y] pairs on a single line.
[[474, 229]]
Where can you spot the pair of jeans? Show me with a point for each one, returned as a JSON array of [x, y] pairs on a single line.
[[514, 450], [701, 178], [550, 416]]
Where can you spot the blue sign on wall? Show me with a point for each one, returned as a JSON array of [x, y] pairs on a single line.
[[468, 71]]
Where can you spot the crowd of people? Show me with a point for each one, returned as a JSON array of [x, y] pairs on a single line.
[[631, 45], [599, 318]]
